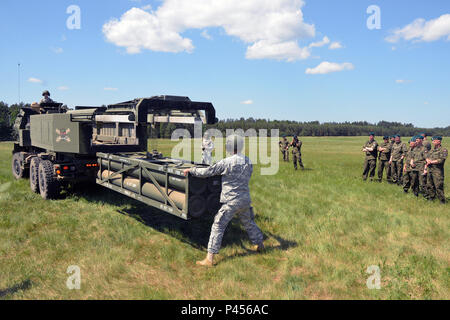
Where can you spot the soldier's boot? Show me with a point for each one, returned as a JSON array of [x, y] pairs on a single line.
[[258, 247], [208, 261]]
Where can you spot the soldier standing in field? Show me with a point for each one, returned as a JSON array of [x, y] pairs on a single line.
[[426, 142], [389, 168], [410, 169], [370, 161], [398, 153], [435, 169], [384, 155], [207, 148], [297, 152], [284, 148], [236, 171], [420, 161]]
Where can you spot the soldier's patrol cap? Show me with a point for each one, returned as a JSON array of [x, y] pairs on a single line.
[[371, 133], [385, 137], [437, 138], [45, 92]]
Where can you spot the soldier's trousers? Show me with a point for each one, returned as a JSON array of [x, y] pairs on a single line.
[[224, 216], [285, 155], [383, 164], [397, 171], [369, 168], [297, 157], [411, 180], [435, 184], [388, 172], [422, 183]]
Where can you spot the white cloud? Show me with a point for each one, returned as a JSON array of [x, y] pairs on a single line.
[[110, 89], [206, 35], [426, 103], [403, 81], [57, 50], [272, 27], [146, 7], [247, 102], [328, 67], [422, 30], [35, 80], [324, 41], [335, 45], [63, 88]]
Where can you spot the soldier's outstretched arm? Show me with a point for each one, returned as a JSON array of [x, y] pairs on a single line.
[[216, 169]]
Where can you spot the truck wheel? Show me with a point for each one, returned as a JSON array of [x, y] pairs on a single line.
[[17, 170], [48, 185], [34, 174]]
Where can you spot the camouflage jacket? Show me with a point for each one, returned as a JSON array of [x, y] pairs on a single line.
[[371, 155], [236, 172], [398, 150], [440, 154], [386, 154], [420, 157], [427, 144], [296, 146], [409, 155]]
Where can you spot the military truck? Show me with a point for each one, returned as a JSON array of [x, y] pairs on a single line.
[[56, 147]]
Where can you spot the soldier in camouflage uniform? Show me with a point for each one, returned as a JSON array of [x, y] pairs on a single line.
[[398, 153], [420, 161], [435, 168], [236, 171], [410, 170], [297, 152], [46, 97], [370, 161], [389, 167], [426, 143], [284, 148], [384, 155]]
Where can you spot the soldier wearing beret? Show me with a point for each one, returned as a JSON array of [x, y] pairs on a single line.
[[425, 142], [420, 161], [389, 167], [370, 148], [398, 153], [410, 169], [284, 148], [435, 169], [384, 155]]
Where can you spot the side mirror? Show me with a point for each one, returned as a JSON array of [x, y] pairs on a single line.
[[131, 117]]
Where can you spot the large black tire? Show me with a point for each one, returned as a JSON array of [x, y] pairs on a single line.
[[34, 174], [16, 166], [48, 185]]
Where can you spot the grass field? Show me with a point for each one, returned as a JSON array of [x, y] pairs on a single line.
[[323, 226]]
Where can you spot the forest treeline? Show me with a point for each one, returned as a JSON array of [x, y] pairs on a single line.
[[8, 115]]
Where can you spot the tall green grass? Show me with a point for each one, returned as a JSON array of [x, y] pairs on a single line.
[[323, 226]]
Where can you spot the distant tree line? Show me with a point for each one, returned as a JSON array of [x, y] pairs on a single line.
[[8, 115]]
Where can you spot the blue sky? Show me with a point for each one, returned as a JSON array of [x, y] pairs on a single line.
[[226, 54]]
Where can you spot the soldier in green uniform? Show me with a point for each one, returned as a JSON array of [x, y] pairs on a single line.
[[420, 161], [435, 168], [426, 143], [284, 148], [410, 170], [398, 152], [297, 152], [384, 155], [389, 168], [370, 161]]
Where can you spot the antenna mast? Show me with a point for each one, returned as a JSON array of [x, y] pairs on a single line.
[[18, 80]]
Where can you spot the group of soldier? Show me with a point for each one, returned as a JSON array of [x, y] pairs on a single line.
[[419, 166], [296, 145]]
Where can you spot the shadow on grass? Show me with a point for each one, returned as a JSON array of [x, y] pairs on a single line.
[[24, 285], [195, 232]]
